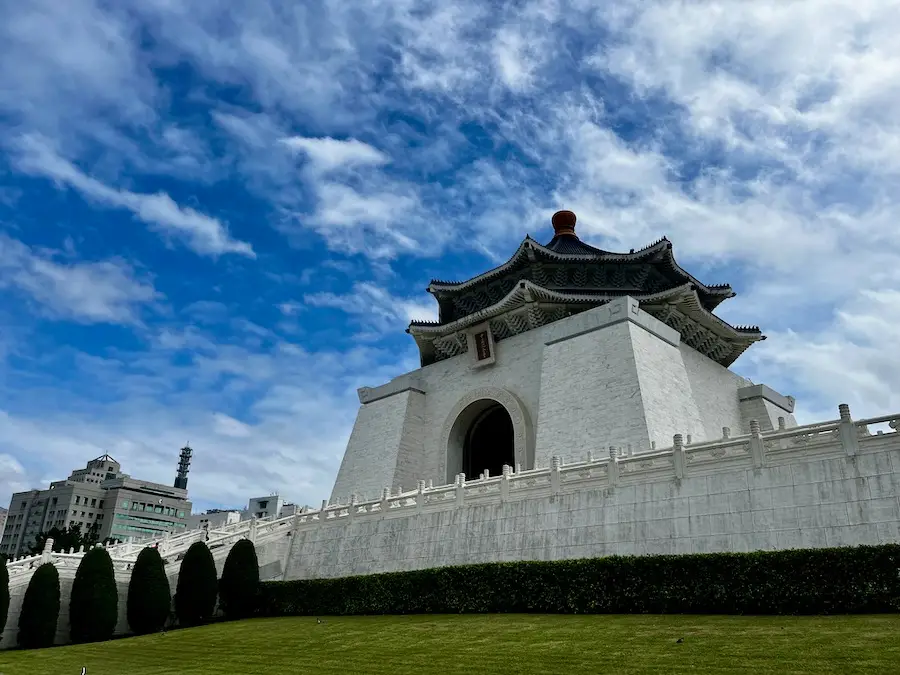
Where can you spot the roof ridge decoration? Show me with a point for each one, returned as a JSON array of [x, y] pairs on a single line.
[[565, 276]]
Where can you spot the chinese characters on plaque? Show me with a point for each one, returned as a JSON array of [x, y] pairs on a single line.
[[482, 346]]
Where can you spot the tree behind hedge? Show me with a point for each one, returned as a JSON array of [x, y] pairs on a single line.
[[239, 586], [195, 595], [4, 594], [94, 603], [40, 609], [149, 595]]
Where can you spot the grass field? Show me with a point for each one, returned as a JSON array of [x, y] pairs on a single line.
[[452, 645]]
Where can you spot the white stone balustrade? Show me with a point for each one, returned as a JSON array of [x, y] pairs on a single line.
[[603, 469]]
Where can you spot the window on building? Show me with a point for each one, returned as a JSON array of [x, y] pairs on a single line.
[[93, 502], [124, 503], [101, 503], [181, 514], [158, 509], [77, 500], [263, 505]]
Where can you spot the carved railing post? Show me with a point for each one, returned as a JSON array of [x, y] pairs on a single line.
[[555, 464], [504, 482], [848, 433], [385, 500], [678, 456], [460, 489], [47, 553], [518, 467], [420, 496], [612, 470], [351, 510], [251, 531], [322, 514], [726, 432], [757, 449], [781, 424]]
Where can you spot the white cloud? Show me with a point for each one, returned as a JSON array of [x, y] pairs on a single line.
[[225, 425], [290, 436], [291, 440], [205, 235], [328, 154], [88, 292], [375, 308], [12, 477], [762, 137], [359, 210]]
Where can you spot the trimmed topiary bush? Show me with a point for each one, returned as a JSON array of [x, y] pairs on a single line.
[[195, 595], [852, 580], [40, 609], [149, 595], [239, 586], [4, 594], [94, 603]]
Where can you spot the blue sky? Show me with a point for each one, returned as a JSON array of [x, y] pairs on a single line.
[[216, 219]]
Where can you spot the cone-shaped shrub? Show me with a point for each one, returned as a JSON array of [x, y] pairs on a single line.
[[239, 586], [195, 595], [40, 609], [149, 598], [94, 604], [4, 594]]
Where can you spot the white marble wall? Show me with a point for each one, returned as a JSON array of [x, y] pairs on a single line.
[[613, 375], [807, 487]]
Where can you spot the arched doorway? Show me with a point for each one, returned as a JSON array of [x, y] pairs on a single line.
[[472, 419], [489, 443]]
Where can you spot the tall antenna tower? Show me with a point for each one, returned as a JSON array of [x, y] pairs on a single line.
[[184, 465]]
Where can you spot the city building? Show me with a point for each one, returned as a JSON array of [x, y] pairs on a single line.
[[271, 506], [264, 507], [213, 519], [3, 513], [98, 496], [291, 510]]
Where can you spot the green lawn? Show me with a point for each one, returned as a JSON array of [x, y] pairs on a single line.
[[410, 645]]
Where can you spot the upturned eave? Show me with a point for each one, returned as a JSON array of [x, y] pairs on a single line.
[[660, 250]]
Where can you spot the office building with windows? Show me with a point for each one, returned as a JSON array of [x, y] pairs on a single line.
[[98, 496]]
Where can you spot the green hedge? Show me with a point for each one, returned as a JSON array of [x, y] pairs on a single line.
[[149, 596], [94, 601], [862, 579], [198, 586], [239, 585], [40, 609]]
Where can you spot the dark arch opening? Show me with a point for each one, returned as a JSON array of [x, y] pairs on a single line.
[[489, 443]]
